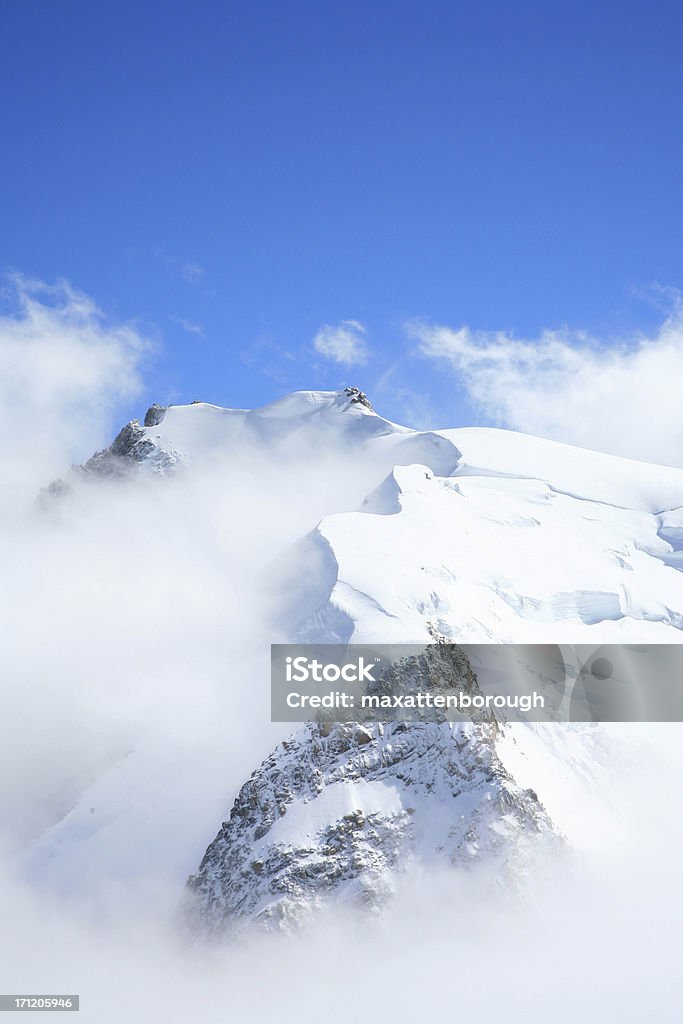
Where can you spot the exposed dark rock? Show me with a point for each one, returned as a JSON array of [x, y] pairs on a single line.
[[130, 446], [358, 396], [154, 415], [338, 809], [130, 442]]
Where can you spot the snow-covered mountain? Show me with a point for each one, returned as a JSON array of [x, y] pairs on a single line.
[[336, 815], [340, 811], [464, 534], [489, 534]]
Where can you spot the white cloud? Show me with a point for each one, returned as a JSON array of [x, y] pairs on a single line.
[[343, 343], [64, 370], [623, 398]]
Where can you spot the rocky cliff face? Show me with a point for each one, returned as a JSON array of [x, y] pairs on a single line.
[[338, 812], [133, 447]]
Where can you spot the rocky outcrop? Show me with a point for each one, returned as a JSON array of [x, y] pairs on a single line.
[[155, 415], [339, 811], [358, 397], [131, 447]]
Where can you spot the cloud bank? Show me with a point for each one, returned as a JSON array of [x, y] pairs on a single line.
[[64, 370], [624, 399]]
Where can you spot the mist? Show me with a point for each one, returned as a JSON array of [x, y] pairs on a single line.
[[137, 617]]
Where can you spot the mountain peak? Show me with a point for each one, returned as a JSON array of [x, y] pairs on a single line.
[[358, 397]]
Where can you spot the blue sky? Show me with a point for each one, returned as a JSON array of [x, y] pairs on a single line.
[[234, 176]]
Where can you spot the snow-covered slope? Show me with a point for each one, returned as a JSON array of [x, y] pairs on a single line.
[[488, 557], [465, 534], [306, 424], [489, 534]]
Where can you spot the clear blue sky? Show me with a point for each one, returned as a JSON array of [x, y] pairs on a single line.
[[258, 169]]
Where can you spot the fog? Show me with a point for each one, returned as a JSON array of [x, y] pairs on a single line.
[[137, 617]]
